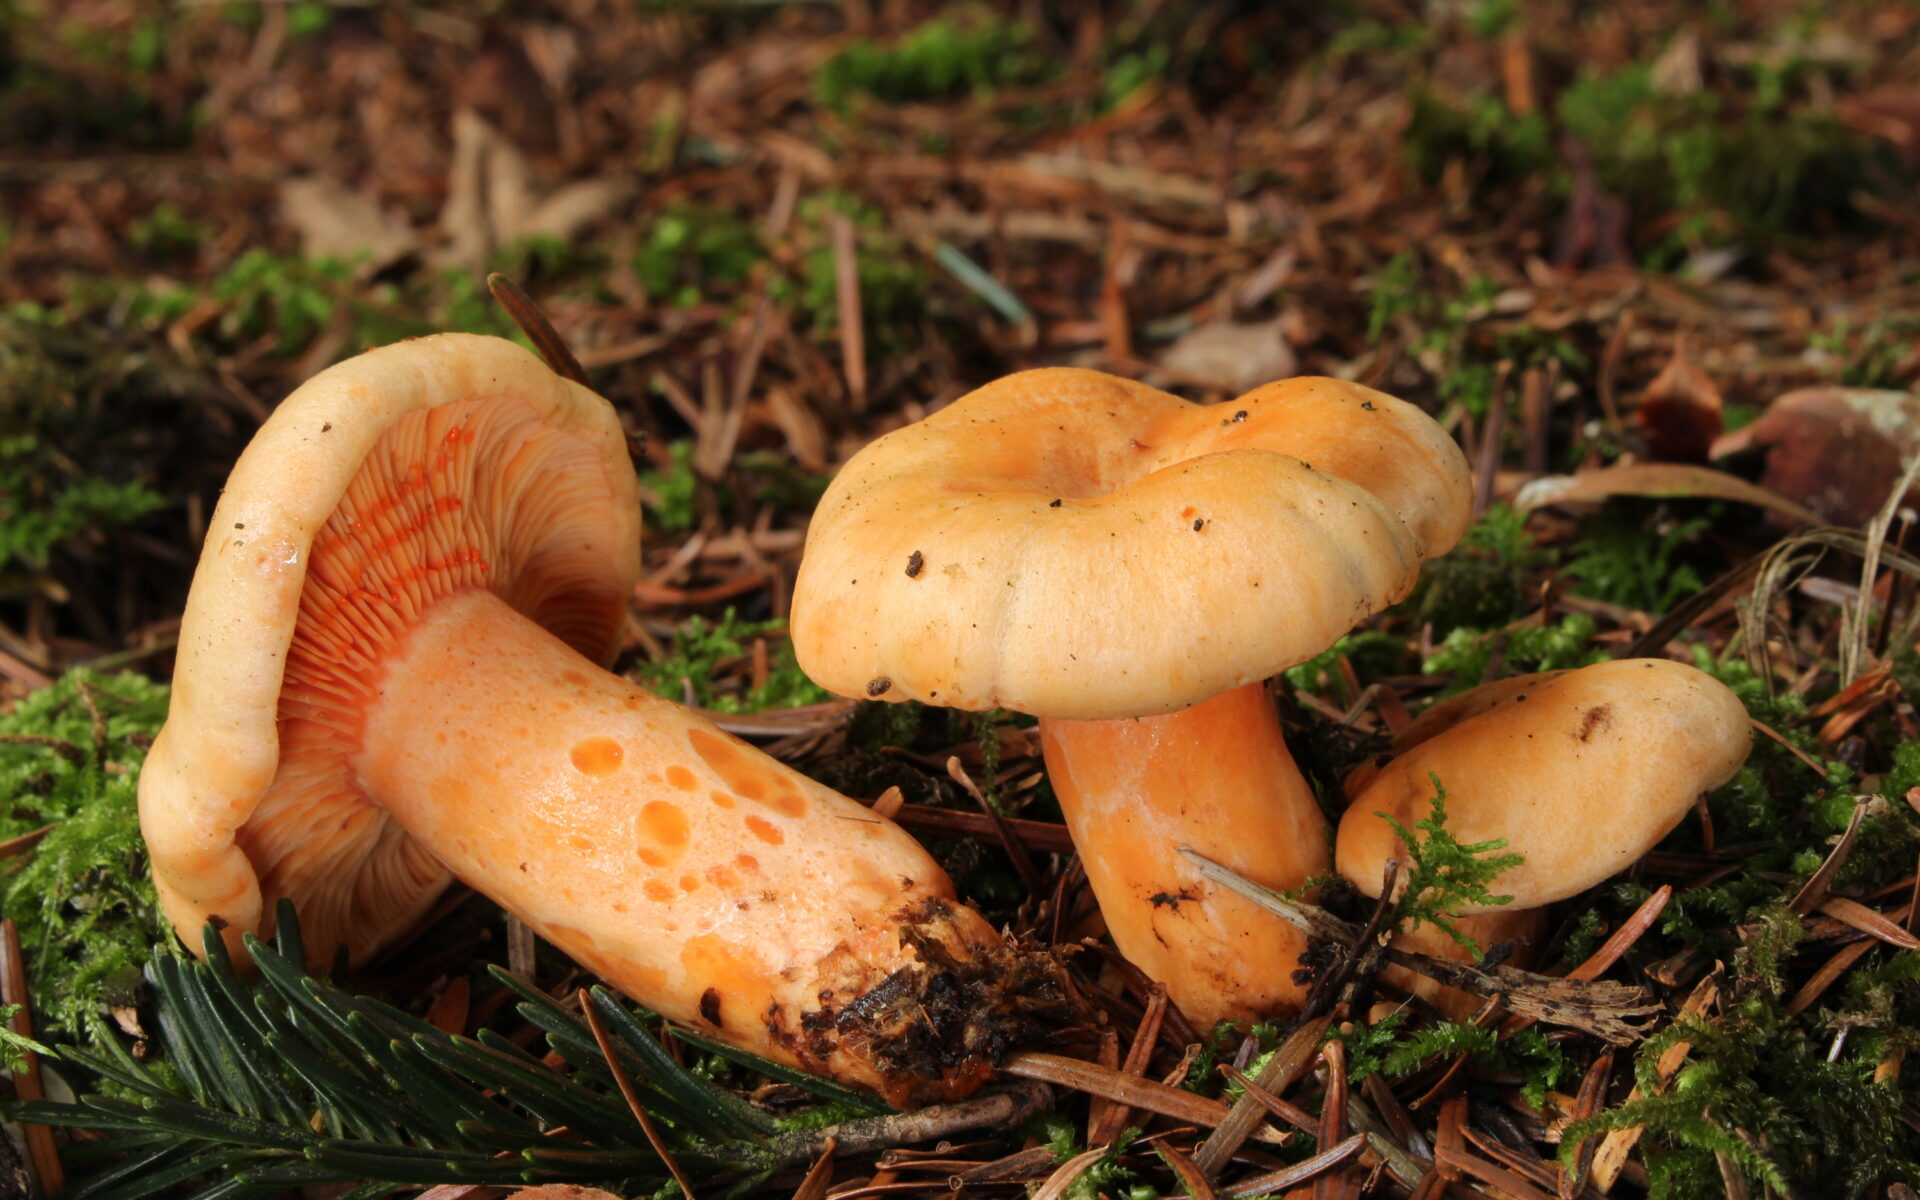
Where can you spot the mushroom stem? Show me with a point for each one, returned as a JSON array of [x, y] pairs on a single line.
[[1216, 777], [700, 876]]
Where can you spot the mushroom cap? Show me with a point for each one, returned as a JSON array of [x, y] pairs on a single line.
[[1581, 772], [422, 469], [1070, 544]]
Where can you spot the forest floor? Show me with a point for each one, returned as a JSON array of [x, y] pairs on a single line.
[[1655, 265]]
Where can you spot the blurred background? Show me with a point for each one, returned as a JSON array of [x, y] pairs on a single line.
[[774, 230]]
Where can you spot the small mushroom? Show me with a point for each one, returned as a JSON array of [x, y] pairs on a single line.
[[1129, 567], [389, 677], [1580, 772]]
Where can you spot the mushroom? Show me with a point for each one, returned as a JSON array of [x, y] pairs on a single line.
[[389, 677], [1129, 567], [1580, 772]]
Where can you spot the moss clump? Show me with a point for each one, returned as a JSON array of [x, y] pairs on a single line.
[[83, 899], [1565, 644], [1482, 582], [691, 668], [947, 57], [691, 252]]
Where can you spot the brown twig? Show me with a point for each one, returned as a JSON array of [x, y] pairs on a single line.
[[26, 1082]]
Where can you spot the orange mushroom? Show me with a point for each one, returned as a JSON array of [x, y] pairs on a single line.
[[1129, 568], [1580, 772], [389, 678]]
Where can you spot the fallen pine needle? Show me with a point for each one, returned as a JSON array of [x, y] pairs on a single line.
[[1131, 1090], [1299, 1173], [1282, 1070], [1057, 1184], [819, 1176], [633, 1097]]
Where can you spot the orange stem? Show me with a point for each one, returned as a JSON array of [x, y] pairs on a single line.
[[1216, 777]]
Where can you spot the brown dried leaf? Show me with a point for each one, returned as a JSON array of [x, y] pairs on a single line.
[[1671, 480], [492, 197], [1681, 411], [1839, 451], [1234, 358], [334, 221]]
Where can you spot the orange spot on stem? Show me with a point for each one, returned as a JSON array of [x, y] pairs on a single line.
[[598, 756]]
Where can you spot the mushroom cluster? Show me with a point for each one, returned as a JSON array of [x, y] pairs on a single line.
[[390, 677], [1130, 568]]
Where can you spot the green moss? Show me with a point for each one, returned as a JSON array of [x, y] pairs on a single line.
[[1814, 1120], [671, 493], [1634, 554], [893, 280], [167, 233], [1753, 169], [39, 512], [950, 56], [1874, 358], [291, 298], [1444, 875], [1479, 128], [1372, 652], [691, 252], [699, 649], [83, 898], [1466, 653], [1483, 581], [1389, 1049]]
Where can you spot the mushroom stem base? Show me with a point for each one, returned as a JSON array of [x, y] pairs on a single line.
[[1216, 777]]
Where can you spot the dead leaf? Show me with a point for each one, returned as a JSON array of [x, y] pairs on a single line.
[[1669, 480], [1677, 71], [334, 221], [492, 198], [1235, 358], [127, 1017], [1681, 411], [1837, 450]]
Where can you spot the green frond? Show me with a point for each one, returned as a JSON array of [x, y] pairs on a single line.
[[1445, 875]]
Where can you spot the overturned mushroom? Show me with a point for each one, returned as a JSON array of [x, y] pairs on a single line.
[[388, 678], [1129, 567], [1580, 772]]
